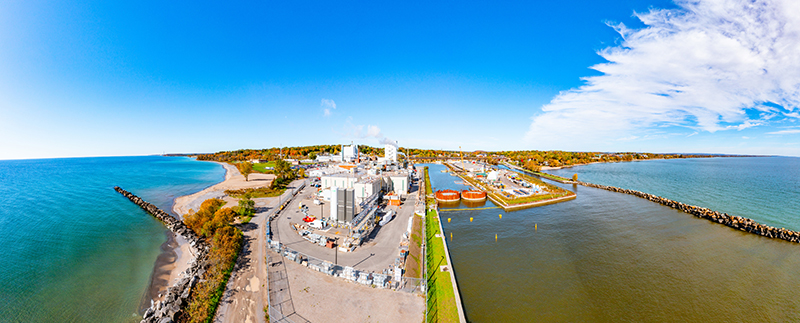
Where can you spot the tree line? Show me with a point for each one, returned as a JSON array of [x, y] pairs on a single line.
[[213, 222]]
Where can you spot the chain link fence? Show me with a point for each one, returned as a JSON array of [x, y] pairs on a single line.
[[388, 279]]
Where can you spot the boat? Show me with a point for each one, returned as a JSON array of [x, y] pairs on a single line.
[[447, 196], [473, 195]]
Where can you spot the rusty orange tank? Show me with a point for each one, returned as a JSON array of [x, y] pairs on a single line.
[[473, 195], [447, 196]]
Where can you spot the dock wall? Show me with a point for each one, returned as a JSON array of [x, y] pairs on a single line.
[[170, 308]]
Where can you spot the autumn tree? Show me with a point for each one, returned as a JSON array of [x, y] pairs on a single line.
[[214, 223], [246, 168], [247, 207]]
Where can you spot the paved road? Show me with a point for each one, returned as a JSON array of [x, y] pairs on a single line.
[[244, 299], [376, 254]]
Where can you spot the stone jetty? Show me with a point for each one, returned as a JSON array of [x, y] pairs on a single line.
[[736, 222], [177, 297]]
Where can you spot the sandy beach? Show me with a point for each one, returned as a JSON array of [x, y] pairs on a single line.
[[177, 252], [233, 181]]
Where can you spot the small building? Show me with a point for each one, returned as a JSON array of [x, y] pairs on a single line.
[[397, 181]]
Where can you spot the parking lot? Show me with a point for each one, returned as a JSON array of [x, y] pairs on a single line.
[[379, 250]]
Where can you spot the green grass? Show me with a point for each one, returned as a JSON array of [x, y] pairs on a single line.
[[428, 187], [415, 238], [441, 305], [255, 192], [262, 167]]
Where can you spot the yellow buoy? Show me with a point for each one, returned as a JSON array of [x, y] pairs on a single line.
[[535, 226], [470, 219], [501, 216], [448, 220], [451, 236], [495, 237]]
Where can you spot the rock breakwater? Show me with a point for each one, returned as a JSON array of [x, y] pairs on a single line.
[[735, 222], [170, 308]]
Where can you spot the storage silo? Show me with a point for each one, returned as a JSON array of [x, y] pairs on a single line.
[[350, 204]]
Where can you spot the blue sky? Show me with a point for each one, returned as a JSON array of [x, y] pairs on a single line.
[[107, 78]]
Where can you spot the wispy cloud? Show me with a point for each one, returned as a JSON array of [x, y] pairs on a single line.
[[373, 131], [355, 131], [702, 66], [327, 107], [784, 132]]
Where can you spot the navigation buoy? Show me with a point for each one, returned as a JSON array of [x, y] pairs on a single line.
[[448, 220], [495, 237], [535, 226], [470, 219], [451, 236], [501, 216]]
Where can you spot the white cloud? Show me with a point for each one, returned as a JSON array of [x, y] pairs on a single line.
[[373, 131], [354, 131], [387, 141], [327, 106], [700, 66]]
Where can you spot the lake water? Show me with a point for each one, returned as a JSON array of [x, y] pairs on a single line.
[[73, 249], [765, 189], [610, 257]]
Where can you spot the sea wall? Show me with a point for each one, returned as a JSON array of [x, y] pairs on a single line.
[[170, 308], [736, 222]]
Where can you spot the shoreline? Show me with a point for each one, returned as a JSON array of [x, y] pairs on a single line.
[[177, 253], [182, 204], [164, 265]]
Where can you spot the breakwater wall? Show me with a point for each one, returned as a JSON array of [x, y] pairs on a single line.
[[169, 309], [735, 222]]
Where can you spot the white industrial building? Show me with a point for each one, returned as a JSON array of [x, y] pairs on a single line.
[[349, 153], [390, 153], [342, 180], [399, 182], [365, 187], [326, 158]]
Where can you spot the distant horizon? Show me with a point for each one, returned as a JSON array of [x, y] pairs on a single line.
[[188, 154]]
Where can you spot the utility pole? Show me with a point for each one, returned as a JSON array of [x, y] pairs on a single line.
[[336, 252]]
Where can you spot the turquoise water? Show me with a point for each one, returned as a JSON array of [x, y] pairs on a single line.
[[765, 189], [73, 249], [610, 257]]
